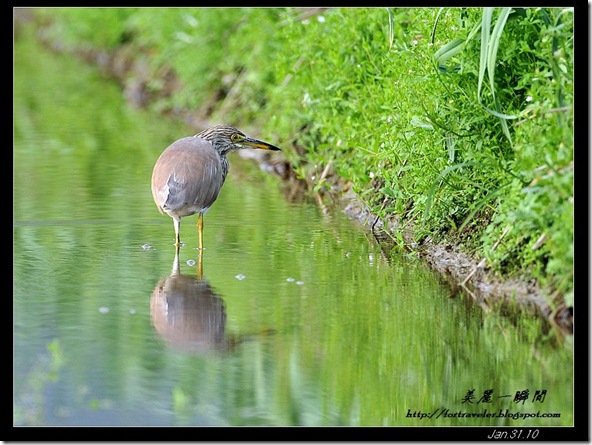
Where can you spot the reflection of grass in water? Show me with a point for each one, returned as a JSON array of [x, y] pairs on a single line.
[[57, 358], [180, 401], [28, 405], [183, 406], [356, 380]]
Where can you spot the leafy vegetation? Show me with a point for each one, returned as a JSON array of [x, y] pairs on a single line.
[[459, 120]]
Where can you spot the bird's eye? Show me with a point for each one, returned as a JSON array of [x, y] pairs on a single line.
[[236, 137]]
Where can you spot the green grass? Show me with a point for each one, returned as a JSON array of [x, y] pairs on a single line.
[[458, 119]]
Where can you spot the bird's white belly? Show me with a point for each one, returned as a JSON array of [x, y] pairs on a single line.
[[185, 211]]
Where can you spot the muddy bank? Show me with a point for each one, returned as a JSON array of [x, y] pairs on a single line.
[[460, 270]]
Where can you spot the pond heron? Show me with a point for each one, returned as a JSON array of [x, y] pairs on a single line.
[[190, 172]]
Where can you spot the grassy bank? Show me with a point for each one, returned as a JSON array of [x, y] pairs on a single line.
[[457, 122]]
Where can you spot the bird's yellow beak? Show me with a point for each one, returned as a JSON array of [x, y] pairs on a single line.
[[255, 143]]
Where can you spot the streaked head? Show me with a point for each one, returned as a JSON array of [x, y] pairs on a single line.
[[226, 138]]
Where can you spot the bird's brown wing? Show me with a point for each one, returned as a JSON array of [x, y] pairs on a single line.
[[187, 177]]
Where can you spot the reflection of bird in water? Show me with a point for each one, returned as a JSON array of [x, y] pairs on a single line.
[[188, 314]]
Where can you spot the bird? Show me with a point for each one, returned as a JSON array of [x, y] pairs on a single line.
[[189, 174]]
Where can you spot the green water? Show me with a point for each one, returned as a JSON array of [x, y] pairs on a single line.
[[299, 318]]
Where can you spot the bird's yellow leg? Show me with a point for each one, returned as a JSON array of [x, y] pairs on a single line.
[[200, 231], [199, 267]]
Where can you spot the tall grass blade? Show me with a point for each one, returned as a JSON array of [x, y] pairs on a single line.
[[391, 28], [485, 26], [488, 56], [433, 34], [493, 45], [474, 31], [503, 122]]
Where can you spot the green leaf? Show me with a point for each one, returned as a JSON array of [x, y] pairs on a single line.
[[417, 122], [498, 114], [449, 50]]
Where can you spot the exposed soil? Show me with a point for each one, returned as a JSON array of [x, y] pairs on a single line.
[[459, 269]]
